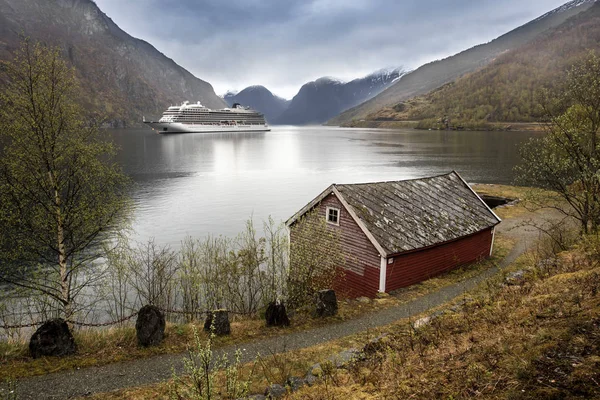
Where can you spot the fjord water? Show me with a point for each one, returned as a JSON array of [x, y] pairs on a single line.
[[201, 184]]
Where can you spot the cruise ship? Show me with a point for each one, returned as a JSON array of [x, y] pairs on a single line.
[[197, 118]]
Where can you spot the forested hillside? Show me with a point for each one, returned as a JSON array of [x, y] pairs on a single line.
[[438, 73], [506, 90], [123, 78]]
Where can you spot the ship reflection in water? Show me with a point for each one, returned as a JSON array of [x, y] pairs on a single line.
[[200, 184]]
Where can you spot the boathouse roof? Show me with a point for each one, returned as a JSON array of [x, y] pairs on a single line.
[[402, 216]]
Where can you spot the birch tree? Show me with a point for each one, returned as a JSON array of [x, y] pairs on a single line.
[[567, 160], [60, 193]]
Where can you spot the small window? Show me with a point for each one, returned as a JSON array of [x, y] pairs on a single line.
[[333, 215]]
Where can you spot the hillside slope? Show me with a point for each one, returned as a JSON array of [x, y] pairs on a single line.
[[261, 99], [505, 90], [123, 78], [320, 100], [533, 335], [433, 75]]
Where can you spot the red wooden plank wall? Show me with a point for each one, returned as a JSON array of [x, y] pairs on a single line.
[[352, 285], [361, 259], [420, 265]]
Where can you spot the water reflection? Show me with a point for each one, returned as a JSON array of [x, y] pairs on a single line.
[[199, 184]]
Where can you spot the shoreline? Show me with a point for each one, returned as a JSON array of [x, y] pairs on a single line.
[[491, 127]]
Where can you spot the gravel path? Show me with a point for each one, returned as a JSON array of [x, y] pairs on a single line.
[[76, 383]]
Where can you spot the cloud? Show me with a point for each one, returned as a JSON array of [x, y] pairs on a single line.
[[284, 44]]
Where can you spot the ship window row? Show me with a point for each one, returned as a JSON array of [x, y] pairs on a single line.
[[191, 118], [224, 122]]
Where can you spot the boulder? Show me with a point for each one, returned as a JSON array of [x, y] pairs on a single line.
[[421, 322], [53, 338], [316, 370], [219, 321], [516, 278], [275, 391], [376, 345], [295, 383], [341, 360], [310, 379], [150, 326], [326, 303], [276, 315]]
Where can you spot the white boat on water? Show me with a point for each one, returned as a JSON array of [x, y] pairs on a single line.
[[197, 118]]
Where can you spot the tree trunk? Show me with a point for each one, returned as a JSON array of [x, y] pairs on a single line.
[[65, 284]]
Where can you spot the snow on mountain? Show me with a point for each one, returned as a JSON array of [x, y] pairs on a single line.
[[565, 7], [319, 100]]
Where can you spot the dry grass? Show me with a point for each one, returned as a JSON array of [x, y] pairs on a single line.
[[537, 340], [99, 347], [104, 346], [277, 368], [519, 208]]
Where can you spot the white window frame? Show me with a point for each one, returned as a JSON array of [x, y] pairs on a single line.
[[337, 223]]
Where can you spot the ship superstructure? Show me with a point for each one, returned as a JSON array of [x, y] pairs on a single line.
[[197, 118]]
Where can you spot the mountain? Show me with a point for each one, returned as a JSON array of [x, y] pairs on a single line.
[[505, 90], [261, 99], [320, 100], [438, 73], [122, 77]]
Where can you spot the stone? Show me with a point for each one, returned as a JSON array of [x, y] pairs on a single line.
[[276, 315], [346, 357], [53, 338], [150, 326], [382, 295], [516, 278], [275, 391], [310, 379], [326, 303], [257, 397], [295, 383], [375, 345], [364, 300], [220, 325], [421, 322], [315, 370]]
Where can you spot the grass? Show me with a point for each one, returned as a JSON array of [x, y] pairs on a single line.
[[503, 342], [116, 344], [276, 368], [99, 347], [540, 339], [519, 193]]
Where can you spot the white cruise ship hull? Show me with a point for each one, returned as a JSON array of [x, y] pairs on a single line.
[[178, 127]]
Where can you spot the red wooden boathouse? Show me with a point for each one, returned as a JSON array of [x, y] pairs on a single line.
[[395, 234]]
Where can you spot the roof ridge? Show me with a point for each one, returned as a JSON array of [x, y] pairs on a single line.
[[402, 180]]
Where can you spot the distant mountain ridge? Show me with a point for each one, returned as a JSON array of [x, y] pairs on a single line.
[[438, 73], [320, 100], [505, 90], [123, 77], [260, 99]]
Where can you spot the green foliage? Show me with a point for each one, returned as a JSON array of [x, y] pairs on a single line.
[[567, 159], [242, 274], [10, 391], [204, 370], [59, 192]]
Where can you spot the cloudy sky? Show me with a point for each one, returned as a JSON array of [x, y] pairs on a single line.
[[283, 44]]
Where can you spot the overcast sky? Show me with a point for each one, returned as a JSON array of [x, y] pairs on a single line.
[[283, 44]]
